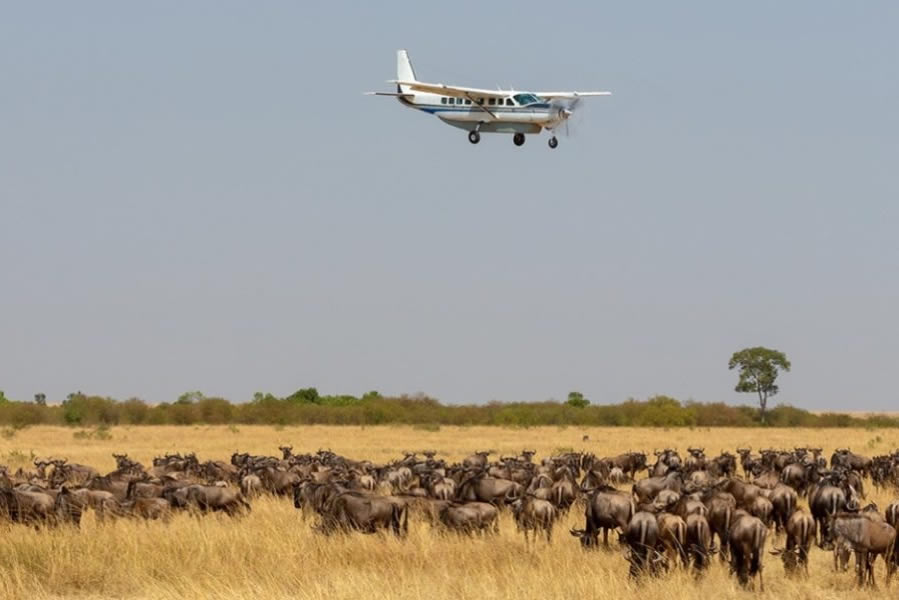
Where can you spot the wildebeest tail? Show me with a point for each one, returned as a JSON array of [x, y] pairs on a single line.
[[400, 520], [757, 547], [803, 536], [557, 496], [682, 542]]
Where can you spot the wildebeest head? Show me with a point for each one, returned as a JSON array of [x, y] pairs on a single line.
[[789, 557], [587, 539]]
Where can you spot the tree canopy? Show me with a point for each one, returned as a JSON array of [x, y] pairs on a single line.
[[577, 400], [759, 368]]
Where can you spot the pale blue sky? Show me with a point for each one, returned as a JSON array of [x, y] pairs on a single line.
[[195, 195]]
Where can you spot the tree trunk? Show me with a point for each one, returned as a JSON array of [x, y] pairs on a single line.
[[763, 404]]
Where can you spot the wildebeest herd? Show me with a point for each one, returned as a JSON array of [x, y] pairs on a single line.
[[685, 511]]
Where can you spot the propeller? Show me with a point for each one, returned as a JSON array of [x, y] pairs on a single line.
[[565, 109]]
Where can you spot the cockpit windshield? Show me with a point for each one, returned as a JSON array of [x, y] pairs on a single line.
[[525, 99]]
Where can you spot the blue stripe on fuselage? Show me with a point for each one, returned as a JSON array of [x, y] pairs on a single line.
[[433, 108]]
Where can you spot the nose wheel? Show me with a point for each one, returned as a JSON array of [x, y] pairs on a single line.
[[553, 142], [474, 137], [518, 138]]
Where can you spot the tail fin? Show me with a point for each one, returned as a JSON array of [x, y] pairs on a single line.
[[404, 70]]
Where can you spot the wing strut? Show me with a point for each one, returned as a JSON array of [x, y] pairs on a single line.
[[481, 106]]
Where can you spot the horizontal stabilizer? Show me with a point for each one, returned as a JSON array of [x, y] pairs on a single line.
[[394, 94], [551, 95]]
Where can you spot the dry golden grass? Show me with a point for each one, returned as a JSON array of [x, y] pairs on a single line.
[[273, 553]]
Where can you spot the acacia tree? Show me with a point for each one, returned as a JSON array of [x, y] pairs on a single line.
[[759, 368], [577, 400]]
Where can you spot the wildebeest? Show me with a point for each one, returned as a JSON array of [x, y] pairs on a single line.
[[800, 528], [699, 541], [25, 506], [478, 487], [892, 514], [478, 460], [667, 461], [641, 537], [630, 463], [213, 498], [825, 500], [70, 504], [564, 492], [695, 460], [796, 476], [744, 493], [533, 514], [607, 508], [460, 518], [762, 508], [867, 538], [721, 507], [844, 457], [647, 489], [673, 537], [470, 517], [366, 513], [783, 503], [746, 542], [724, 465], [72, 473]]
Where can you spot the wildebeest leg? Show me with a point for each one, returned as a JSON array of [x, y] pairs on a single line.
[[860, 560], [869, 570], [605, 537]]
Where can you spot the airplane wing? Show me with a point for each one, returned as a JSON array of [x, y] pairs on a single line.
[[394, 94], [552, 95], [450, 90]]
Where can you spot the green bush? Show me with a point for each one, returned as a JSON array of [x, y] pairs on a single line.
[[308, 407]]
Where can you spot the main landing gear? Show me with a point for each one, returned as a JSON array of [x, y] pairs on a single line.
[[474, 136]]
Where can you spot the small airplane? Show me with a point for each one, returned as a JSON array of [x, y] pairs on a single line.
[[488, 111]]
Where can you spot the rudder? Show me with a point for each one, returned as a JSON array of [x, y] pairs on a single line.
[[404, 70]]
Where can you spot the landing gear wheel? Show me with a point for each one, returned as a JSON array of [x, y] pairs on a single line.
[[518, 138], [474, 137], [553, 142]]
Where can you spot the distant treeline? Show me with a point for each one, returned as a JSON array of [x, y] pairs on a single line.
[[307, 407]]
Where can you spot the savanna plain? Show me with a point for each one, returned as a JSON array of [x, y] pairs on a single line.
[[274, 553]]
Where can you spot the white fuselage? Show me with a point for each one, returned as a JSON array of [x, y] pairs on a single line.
[[506, 114]]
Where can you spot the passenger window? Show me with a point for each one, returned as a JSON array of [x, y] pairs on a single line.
[[452, 100], [509, 102], [491, 101], [443, 101], [468, 102]]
